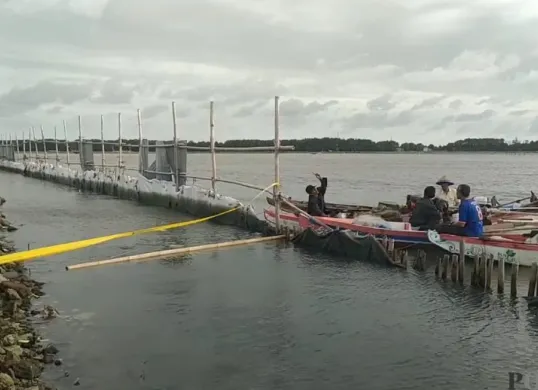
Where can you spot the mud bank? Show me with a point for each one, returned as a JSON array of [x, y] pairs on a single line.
[[192, 200], [23, 356]]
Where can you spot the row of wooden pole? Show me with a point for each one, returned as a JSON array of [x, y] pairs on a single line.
[[121, 165], [453, 267]]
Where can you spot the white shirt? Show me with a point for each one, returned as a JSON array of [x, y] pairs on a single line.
[[451, 197]]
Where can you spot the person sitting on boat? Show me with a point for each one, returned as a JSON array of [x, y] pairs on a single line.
[[313, 202], [447, 194], [471, 219], [322, 189], [425, 216]]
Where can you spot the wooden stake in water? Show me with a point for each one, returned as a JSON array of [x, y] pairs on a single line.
[[120, 146], [103, 157], [444, 273], [454, 268], [17, 145], [513, 280], [80, 141], [212, 145], [461, 266], [176, 159], [66, 144], [532, 280], [35, 144], [56, 145], [23, 146], [500, 276], [44, 144], [276, 189], [140, 146]]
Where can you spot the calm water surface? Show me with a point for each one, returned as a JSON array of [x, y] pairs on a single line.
[[270, 316]]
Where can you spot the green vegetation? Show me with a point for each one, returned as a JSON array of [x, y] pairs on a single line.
[[349, 145]]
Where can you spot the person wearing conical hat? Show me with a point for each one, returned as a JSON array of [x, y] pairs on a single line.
[[447, 193]]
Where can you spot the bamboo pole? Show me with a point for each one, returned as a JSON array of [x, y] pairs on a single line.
[[56, 145], [103, 157], [212, 145], [17, 146], [276, 189], [174, 252], [140, 146], [120, 147], [176, 159], [35, 144], [23, 146], [44, 144], [80, 153], [66, 144]]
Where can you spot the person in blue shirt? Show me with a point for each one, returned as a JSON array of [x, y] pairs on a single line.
[[470, 213], [471, 220]]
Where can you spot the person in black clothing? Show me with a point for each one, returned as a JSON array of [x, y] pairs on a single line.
[[322, 189], [314, 208], [426, 215]]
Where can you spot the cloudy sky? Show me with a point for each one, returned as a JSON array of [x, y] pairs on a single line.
[[410, 70]]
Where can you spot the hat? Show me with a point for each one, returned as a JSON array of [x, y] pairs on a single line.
[[444, 180], [310, 188]]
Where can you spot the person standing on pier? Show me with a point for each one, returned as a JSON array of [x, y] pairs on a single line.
[[447, 194]]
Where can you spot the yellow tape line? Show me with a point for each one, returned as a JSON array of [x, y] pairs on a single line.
[[75, 245], [72, 246]]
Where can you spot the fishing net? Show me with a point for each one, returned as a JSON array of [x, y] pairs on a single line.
[[342, 243]]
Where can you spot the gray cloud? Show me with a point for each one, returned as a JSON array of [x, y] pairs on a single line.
[[413, 65]]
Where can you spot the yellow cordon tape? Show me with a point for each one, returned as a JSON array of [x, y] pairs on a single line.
[[75, 245]]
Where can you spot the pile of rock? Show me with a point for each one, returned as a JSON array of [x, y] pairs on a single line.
[[22, 355]]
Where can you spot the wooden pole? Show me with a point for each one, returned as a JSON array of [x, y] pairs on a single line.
[[44, 144], [276, 189], [23, 146], [438, 267], [489, 272], [17, 146], [35, 144], [140, 146], [212, 145], [461, 267], [120, 147], [66, 144], [103, 156], [82, 162], [513, 280], [532, 280], [454, 269], [500, 276], [56, 145], [446, 259], [174, 252], [176, 159]]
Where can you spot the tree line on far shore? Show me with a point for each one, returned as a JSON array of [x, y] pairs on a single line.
[[315, 145]]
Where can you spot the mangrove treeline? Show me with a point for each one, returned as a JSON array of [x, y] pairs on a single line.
[[313, 145]]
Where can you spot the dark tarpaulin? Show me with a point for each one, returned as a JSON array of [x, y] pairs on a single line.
[[343, 244]]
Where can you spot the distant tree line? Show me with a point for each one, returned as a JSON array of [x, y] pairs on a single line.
[[313, 145]]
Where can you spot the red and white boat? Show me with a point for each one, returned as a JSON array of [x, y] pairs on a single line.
[[513, 247]]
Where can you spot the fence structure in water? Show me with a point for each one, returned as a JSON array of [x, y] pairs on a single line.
[[170, 164]]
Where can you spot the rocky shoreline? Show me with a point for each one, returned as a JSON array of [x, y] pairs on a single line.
[[23, 355]]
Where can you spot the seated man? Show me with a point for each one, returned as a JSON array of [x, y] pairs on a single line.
[[322, 189], [313, 202], [425, 216], [471, 220]]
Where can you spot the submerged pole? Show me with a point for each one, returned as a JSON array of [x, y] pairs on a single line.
[[66, 144], [17, 146], [212, 145], [23, 146], [176, 159], [80, 151], [35, 144], [276, 188]]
